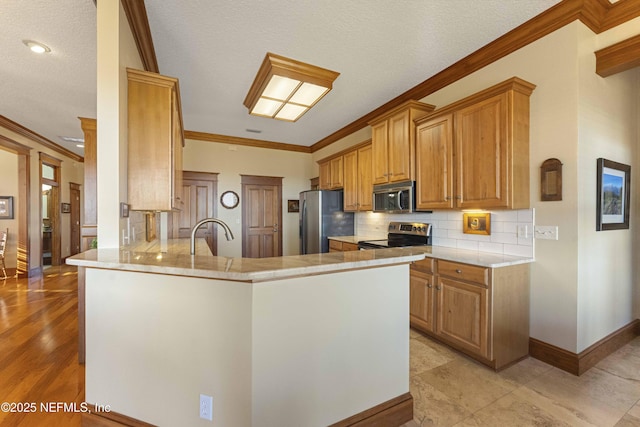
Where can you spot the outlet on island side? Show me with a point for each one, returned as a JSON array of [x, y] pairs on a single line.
[[206, 407]]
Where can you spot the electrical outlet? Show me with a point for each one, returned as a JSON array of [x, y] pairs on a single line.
[[523, 231], [206, 407], [548, 232]]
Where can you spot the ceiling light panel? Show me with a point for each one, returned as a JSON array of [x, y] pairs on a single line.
[[285, 89]]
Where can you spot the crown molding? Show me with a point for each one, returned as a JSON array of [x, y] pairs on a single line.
[[618, 57], [598, 15], [37, 138], [212, 137], [139, 23]]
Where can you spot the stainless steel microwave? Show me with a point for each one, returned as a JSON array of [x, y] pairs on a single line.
[[398, 197]]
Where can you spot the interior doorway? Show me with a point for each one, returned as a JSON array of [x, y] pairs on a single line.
[[50, 210], [74, 220], [261, 216], [199, 191]]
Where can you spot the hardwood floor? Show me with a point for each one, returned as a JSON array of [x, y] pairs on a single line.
[[39, 368]]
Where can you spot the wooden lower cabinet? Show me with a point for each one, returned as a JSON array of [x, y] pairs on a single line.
[[338, 246], [483, 312]]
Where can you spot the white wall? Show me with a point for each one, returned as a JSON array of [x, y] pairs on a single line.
[[9, 187], [116, 51], [607, 128], [299, 351], [230, 161]]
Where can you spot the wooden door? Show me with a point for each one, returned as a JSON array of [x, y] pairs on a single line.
[[351, 181], [380, 152], [421, 300], [434, 163], [399, 147], [482, 154], [463, 315], [198, 197], [261, 216], [74, 220], [365, 179]]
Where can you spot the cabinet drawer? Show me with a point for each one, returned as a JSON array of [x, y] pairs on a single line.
[[335, 245], [470, 273], [424, 265], [349, 246]]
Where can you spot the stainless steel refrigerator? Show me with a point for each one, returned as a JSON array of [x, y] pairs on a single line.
[[321, 215]]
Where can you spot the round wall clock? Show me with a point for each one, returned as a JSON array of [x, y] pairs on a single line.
[[229, 199]]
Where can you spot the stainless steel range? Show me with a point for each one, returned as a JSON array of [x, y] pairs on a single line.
[[401, 234]]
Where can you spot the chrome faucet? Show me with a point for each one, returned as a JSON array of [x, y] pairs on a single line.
[[227, 231]]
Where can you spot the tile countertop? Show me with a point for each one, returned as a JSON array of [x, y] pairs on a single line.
[[483, 259], [242, 269]]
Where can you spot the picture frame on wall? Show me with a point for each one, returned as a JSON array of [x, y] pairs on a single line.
[[293, 205], [613, 198], [6, 207], [476, 223]]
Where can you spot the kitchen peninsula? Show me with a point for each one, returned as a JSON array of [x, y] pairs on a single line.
[[310, 339]]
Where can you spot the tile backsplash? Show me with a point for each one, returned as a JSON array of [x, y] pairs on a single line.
[[447, 230]]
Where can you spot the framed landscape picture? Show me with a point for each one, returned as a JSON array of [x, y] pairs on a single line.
[[614, 195], [6, 207]]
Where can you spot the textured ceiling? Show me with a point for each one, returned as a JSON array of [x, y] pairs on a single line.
[[46, 93], [380, 47]]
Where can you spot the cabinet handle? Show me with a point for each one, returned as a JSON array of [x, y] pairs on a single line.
[[429, 285], [438, 288], [458, 271], [458, 197], [447, 198]]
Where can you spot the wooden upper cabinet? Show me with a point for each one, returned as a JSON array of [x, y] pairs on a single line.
[[365, 180], [156, 140], [358, 187], [337, 173], [474, 154], [434, 163], [324, 175], [331, 173], [393, 142], [351, 181]]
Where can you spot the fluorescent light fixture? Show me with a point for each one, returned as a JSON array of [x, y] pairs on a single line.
[[36, 46], [285, 89]]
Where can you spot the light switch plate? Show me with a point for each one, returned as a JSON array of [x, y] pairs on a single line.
[[548, 232]]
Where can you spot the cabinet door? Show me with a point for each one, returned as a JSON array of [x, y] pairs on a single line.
[[482, 154], [421, 301], [336, 173], [365, 179], [380, 153], [177, 143], [400, 147], [463, 315], [434, 163], [351, 181], [325, 175]]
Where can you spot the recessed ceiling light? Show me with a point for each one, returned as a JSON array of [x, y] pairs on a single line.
[[36, 47], [80, 145]]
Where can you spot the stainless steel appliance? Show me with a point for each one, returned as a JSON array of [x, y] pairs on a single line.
[[401, 234], [321, 215], [394, 198]]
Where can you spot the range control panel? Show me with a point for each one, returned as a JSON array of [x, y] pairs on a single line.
[[412, 228]]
